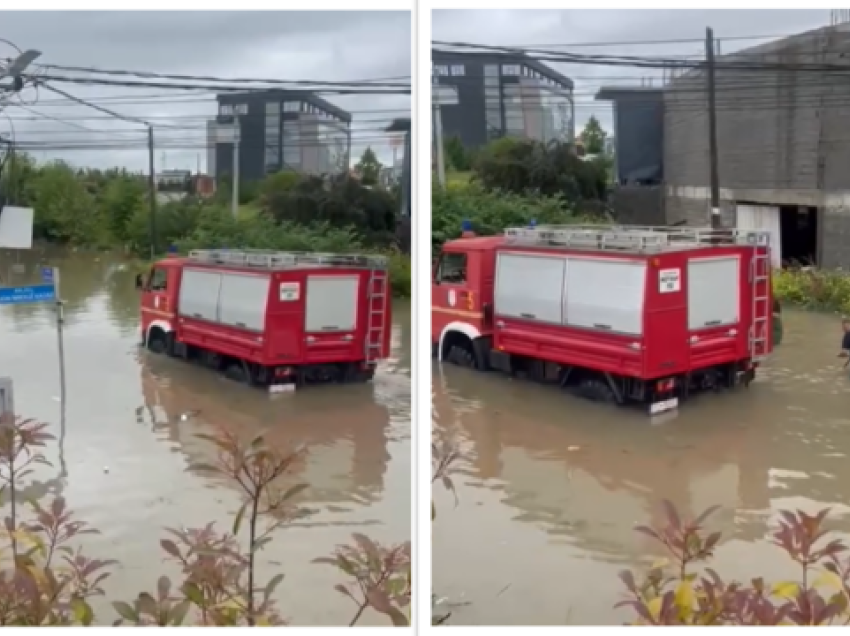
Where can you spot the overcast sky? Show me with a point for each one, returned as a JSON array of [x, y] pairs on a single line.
[[558, 29], [312, 45]]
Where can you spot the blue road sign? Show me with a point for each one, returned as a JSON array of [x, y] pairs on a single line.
[[47, 275], [26, 295]]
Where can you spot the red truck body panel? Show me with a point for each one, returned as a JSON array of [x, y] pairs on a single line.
[[666, 347], [284, 340]]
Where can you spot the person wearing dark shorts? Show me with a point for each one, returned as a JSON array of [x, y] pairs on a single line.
[[845, 339]]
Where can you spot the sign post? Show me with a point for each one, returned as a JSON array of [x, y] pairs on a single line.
[[46, 292]]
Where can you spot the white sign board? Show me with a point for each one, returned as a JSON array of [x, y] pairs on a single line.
[[289, 292], [16, 227], [669, 280], [443, 95]]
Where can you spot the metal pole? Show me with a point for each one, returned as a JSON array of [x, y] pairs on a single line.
[[234, 203], [60, 320], [438, 140], [716, 221], [152, 189]]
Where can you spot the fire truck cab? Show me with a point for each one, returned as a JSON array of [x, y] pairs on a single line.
[[620, 313], [270, 318]]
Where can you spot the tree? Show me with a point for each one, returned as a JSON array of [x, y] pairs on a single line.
[[369, 167], [593, 137], [457, 156]]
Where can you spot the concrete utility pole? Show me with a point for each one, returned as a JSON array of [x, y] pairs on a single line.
[[152, 190], [438, 141], [234, 202], [716, 220]]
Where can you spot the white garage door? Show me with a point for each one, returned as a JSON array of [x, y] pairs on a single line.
[[764, 218]]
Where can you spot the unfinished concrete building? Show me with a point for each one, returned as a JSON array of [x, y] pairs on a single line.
[[783, 145]]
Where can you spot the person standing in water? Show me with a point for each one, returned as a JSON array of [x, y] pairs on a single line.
[[845, 339]]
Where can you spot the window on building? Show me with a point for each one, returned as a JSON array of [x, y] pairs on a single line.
[[441, 70], [291, 107], [226, 110], [452, 269], [458, 70], [240, 109], [510, 69]]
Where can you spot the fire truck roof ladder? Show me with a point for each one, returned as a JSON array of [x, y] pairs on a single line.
[[267, 259], [631, 238]]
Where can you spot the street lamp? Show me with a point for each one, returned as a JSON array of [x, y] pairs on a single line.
[[17, 66]]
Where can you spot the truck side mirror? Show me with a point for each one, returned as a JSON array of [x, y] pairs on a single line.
[[139, 283]]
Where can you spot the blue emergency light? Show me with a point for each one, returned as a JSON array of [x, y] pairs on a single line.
[[466, 225], [532, 223], [172, 249]]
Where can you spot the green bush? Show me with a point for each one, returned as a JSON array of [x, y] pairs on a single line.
[[490, 212], [824, 290]]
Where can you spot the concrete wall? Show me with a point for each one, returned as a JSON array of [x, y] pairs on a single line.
[[638, 205], [783, 135]]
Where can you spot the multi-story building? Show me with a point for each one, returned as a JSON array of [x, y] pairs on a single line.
[[279, 130], [782, 145], [503, 95]]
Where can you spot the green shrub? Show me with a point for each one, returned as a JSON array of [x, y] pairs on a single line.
[[490, 212], [825, 290]]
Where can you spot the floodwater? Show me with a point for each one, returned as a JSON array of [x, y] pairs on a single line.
[[552, 486], [121, 460]]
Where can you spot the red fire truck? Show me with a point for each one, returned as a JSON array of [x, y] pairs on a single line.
[[620, 314], [270, 318]]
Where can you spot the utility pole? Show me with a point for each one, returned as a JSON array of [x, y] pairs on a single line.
[[152, 188], [716, 220], [438, 141], [234, 203]]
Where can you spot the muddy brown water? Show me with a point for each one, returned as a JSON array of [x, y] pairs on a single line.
[[553, 486], [122, 458]]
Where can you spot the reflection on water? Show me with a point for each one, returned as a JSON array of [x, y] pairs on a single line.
[[553, 486], [126, 448]]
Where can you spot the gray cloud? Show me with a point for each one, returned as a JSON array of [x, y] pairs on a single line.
[[310, 45], [554, 29]]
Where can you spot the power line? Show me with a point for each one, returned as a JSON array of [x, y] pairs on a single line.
[[638, 61], [92, 81], [385, 82]]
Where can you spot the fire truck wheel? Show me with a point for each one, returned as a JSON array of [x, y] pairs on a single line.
[[597, 390], [462, 357], [157, 342]]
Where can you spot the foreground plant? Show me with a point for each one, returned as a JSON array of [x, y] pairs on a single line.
[[444, 459], [43, 580], [47, 582], [381, 578], [676, 592]]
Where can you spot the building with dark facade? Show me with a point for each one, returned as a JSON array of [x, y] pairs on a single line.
[[638, 150], [503, 95], [280, 130], [783, 145]]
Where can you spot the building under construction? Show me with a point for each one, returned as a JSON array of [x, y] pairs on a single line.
[[783, 145]]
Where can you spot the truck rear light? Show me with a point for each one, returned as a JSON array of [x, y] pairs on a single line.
[[283, 372], [663, 386]]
